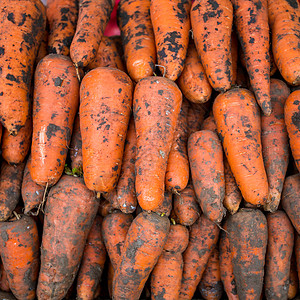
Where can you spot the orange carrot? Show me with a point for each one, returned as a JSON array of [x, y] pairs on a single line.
[[209, 124], [166, 207], [76, 146]]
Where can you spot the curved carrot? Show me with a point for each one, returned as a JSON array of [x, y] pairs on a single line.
[[171, 25], [75, 150], [237, 117], [137, 38], [212, 23], [55, 82], [105, 107], [156, 108]]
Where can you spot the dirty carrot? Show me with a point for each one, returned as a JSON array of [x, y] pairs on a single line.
[[166, 207], [75, 149], [209, 124]]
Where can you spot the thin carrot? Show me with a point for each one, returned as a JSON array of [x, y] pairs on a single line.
[[75, 150]]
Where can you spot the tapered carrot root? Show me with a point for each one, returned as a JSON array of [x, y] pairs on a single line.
[[212, 23], [20, 36], [137, 37], [143, 245], [69, 214], [106, 100], [275, 144], [20, 255], [171, 25], [248, 235], [193, 81], [156, 108], [203, 239], [92, 264], [76, 146], [278, 256], [237, 117], [93, 17], [55, 82], [207, 169], [62, 18]]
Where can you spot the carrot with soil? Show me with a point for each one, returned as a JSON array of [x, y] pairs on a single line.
[[165, 208], [75, 149]]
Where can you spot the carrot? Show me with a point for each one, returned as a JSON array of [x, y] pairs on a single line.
[[15, 148], [177, 173], [240, 130], [62, 17], [293, 279], [143, 245], [209, 124], [92, 263], [20, 36], [69, 214], [43, 49], [186, 207], [275, 145], [167, 273], [93, 17], [171, 25], [278, 257], [248, 235], [212, 23], [137, 38], [106, 99], [292, 122], [290, 199], [114, 231], [105, 208], [211, 286], [204, 235], [207, 171], [193, 81], [20, 255], [4, 285], [166, 207], [234, 56], [284, 24], [55, 82], [123, 196], [156, 107], [195, 117]]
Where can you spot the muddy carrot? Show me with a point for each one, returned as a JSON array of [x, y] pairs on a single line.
[[209, 124], [166, 207], [75, 150]]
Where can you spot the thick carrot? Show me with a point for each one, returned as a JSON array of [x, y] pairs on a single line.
[[278, 257], [55, 82], [92, 263], [293, 279], [171, 25], [204, 235], [275, 144], [186, 207], [156, 107], [166, 207], [75, 150], [193, 81], [62, 18], [292, 122], [69, 214], [137, 38], [207, 171], [211, 286], [93, 17], [212, 23], [105, 107], [177, 173], [20, 255], [237, 117], [248, 235], [21, 33]]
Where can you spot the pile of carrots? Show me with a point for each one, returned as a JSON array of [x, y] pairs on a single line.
[[163, 163]]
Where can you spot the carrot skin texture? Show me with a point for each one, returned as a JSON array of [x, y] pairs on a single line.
[[213, 40], [203, 238], [92, 263], [137, 38], [18, 53], [207, 171], [55, 82], [20, 237], [60, 251], [62, 18], [143, 245], [275, 144], [278, 256], [93, 17], [105, 107], [156, 107], [237, 117], [76, 145], [171, 25], [248, 235]]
